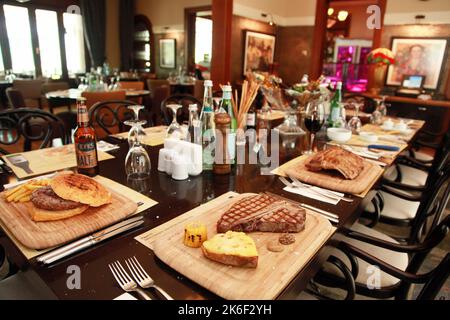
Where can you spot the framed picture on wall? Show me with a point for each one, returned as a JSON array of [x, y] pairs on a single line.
[[418, 57], [167, 53], [259, 51]]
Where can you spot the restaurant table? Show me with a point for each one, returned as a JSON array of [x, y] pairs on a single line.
[[175, 198], [74, 94]]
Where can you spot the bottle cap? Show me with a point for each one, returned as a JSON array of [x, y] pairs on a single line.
[[227, 89], [208, 83], [339, 85], [193, 107]]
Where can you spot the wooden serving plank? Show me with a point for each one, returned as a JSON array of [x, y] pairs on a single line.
[[50, 160], [274, 272], [43, 235], [359, 187]]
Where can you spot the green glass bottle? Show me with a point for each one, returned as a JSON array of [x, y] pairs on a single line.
[[335, 106], [208, 128]]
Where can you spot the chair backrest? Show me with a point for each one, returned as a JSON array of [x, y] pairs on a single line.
[[152, 84], [15, 98], [369, 104], [100, 96], [108, 117], [159, 95], [54, 86], [31, 89], [183, 113], [30, 125], [131, 85]]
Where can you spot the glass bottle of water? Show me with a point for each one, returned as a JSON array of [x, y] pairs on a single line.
[[208, 128]]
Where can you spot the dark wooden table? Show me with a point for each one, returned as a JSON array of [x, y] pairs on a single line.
[[175, 198]]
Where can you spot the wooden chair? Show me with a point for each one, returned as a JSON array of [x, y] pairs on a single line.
[[108, 117], [152, 84], [361, 247], [15, 98], [56, 86], [160, 94], [369, 104], [183, 113], [31, 91], [95, 97], [30, 125], [132, 85]]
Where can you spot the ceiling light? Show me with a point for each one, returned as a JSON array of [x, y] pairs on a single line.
[[268, 15], [342, 15], [330, 11]]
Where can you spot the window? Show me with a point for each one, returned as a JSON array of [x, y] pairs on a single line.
[[76, 62], [203, 39], [48, 35], [2, 67], [16, 18]]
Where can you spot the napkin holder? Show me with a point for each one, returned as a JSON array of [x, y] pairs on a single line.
[[180, 159]]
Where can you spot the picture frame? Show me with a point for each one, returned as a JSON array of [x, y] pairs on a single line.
[[418, 56], [259, 51], [168, 53]]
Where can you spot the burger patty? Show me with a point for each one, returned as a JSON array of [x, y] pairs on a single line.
[[45, 198]]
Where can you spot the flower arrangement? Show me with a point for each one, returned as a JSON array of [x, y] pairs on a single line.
[[381, 56]]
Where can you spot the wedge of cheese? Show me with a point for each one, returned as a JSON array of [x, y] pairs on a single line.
[[232, 248]]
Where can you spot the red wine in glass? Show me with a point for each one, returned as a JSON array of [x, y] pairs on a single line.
[[314, 119], [313, 125]]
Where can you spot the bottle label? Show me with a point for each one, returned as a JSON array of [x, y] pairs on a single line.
[[251, 119], [86, 155], [83, 115], [231, 144]]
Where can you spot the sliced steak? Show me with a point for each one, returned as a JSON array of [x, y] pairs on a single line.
[[45, 198], [262, 213], [337, 159]]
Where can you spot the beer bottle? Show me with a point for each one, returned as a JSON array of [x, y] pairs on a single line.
[[85, 142]]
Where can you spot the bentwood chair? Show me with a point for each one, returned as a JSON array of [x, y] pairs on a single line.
[[398, 203], [183, 113], [30, 125], [108, 117], [101, 96], [364, 250]]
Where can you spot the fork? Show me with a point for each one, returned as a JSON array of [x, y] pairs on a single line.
[[310, 188], [298, 183], [142, 277], [125, 282]]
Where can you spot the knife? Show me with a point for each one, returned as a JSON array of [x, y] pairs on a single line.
[[91, 240], [383, 147], [328, 215]]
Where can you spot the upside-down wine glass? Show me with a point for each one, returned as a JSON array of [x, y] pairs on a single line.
[[136, 126], [137, 162], [175, 131], [355, 123], [314, 120]]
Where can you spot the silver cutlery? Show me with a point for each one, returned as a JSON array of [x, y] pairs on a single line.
[[124, 280], [90, 241], [328, 215], [320, 192], [142, 277], [330, 193]]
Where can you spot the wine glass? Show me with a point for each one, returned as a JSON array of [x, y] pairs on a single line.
[[175, 131], [355, 123], [314, 120], [137, 162], [136, 125]]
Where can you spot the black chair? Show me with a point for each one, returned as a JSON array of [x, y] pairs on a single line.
[[108, 117], [32, 125], [399, 264], [183, 113], [15, 98], [397, 203]]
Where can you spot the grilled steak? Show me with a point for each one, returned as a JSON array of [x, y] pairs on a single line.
[[45, 198], [262, 213], [345, 162]]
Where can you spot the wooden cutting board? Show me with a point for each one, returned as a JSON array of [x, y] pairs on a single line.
[[43, 235], [274, 272]]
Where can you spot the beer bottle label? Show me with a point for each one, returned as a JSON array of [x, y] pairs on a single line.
[[86, 155]]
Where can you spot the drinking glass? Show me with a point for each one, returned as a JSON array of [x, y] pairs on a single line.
[[314, 120], [137, 129], [355, 123], [175, 131], [341, 122], [137, 162]]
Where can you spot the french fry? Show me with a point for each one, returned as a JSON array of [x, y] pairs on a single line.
[[25, 199], [32, 187], [12, 191], [18, 191], [19, 195]]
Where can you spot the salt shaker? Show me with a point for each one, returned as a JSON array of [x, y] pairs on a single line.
[[222, 163]]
